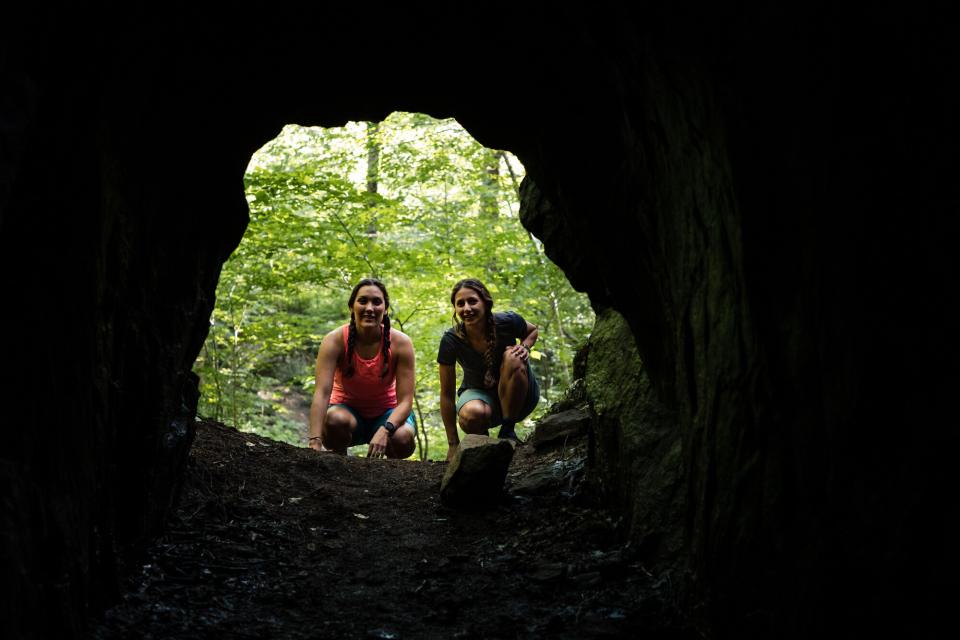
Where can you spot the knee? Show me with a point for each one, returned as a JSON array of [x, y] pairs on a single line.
[[402, 443], [512, 367], [339, 425], [475, 417]]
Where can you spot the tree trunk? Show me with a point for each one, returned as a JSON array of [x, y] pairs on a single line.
[[490, 184], [373, 173]]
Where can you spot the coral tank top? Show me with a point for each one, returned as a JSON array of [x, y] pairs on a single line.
[[365, 391]]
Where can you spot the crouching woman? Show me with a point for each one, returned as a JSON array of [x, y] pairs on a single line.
[[493, 349], [365, 381]]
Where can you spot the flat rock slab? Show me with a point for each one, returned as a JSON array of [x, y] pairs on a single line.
[[550, 478], [476, 474], [554, 429]]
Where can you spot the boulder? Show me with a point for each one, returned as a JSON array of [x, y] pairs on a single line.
[[555, 429], [476, 473], [550, 478]]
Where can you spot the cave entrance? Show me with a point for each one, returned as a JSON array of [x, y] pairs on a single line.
[[412, 200]]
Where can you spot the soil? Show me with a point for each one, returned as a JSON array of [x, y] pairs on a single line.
[[275, 541]]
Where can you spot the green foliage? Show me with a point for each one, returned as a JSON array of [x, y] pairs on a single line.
[[444, 208]]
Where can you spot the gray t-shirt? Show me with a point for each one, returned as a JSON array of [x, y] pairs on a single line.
[[510, 327]]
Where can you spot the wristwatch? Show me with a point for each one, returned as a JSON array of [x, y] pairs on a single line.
[[390, 427]]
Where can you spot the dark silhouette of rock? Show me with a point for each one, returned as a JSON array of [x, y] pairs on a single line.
[[475, 476], [559, 476]]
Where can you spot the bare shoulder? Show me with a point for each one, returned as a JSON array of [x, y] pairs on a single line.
[[400, 339], [333, 341]]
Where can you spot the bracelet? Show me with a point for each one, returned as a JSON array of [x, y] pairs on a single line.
[[314, 438]]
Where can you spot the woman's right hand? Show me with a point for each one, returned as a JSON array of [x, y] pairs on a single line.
[[452, 451]]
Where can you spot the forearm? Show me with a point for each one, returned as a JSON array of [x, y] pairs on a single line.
[[448, 413], [531, 339], [405, 381], [401, 412], [318, 413]]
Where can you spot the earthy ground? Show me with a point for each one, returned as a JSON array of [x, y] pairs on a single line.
[[274, 541]]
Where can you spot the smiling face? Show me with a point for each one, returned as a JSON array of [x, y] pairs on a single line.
[[369, 306], [470, 307]]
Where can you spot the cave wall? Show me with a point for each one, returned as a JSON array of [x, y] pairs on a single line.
[[637, 458], [775, 231], [766, 197]]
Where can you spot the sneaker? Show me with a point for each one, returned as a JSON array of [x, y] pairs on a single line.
[[509, 434]]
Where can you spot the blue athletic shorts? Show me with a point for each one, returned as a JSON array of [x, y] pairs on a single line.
[[493, 399], [366, 427]]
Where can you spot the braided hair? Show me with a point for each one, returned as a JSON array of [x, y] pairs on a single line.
[[349, 369], [490, 374]]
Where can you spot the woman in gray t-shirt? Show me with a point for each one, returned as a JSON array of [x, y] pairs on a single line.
[[498, 387]]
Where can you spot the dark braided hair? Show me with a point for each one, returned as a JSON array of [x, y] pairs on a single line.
[[349, 369], [491, 374]]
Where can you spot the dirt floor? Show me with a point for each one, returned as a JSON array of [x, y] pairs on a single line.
[[274, 541]]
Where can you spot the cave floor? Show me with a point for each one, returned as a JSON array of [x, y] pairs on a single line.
[[274, 541]]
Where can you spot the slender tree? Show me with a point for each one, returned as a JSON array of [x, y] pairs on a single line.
[[373, 173], [490, 184]]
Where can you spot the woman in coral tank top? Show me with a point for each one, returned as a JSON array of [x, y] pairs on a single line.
[[365, 379]]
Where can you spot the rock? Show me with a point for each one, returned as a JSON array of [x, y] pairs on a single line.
[[539, 481], [547, 571], [548, 478], [557, 428], [476, 473], [588, 580], [574, 397]]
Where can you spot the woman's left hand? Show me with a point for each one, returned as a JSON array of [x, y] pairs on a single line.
[[378, 444], [521, 352]]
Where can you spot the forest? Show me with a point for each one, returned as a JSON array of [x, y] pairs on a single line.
[[412, 200]]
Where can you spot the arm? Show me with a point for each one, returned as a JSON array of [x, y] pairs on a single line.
[[522, 350], [404, 367], [531, 338], [448, 407], [327, 358]]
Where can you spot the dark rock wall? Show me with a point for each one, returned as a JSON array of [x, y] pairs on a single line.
[[775, 229], [638, 448], [109, 260], [648, 222], [766, 198]]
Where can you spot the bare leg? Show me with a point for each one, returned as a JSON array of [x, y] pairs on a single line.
[[513, 386], [402, 443], [337, 431], [475, 417]]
